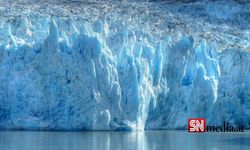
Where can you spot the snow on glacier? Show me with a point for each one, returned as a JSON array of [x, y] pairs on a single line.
[[126, 70]]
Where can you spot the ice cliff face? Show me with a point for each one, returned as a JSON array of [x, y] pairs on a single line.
[[106, 66]]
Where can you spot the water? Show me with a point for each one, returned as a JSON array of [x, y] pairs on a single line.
[[148, 140]]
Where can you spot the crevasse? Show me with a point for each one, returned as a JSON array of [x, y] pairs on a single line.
[[66, 74]]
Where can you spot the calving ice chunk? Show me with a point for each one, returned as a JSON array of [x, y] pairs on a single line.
[[98, 70]]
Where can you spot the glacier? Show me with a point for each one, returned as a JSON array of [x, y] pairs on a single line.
[[91, 65]]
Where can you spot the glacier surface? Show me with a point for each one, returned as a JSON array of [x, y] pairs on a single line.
[[88, 65]]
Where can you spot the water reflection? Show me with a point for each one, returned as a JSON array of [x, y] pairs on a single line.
[[149, 140]]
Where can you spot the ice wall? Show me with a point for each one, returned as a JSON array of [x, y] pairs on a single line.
[[60, 73]]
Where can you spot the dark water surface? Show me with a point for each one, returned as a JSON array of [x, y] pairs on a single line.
[[147, 140]]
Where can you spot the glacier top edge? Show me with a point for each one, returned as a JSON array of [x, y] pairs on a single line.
[[224, 22]]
